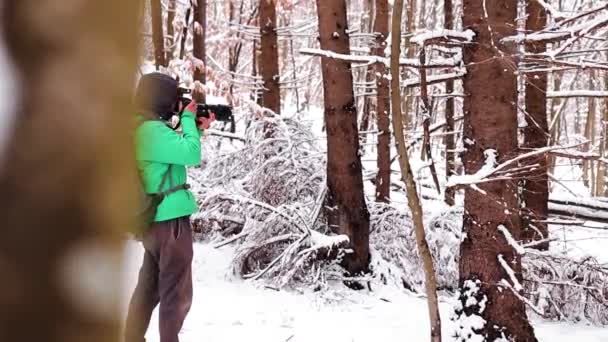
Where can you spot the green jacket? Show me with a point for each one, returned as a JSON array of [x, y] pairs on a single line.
[[158, 146]]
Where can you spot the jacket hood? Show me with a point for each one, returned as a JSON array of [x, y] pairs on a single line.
[[157, 93]]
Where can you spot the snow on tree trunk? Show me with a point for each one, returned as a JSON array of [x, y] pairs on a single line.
[[347, 210], [413, 200], [200, 34], [269, 58], [66, 190], [490, 129], [157, 33], [383, 179], [535, 194]]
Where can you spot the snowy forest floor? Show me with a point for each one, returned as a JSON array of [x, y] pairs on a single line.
[[229, 309]]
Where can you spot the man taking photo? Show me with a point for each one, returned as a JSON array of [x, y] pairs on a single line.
[[162, 155]]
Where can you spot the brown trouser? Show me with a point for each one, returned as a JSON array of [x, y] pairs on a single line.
[[165, 277]]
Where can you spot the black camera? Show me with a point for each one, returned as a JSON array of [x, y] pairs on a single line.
[[222, 112]]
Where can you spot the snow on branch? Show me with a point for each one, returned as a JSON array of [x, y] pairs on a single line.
[[555, 13], [577, 93], [434, 79], [488, 169], [438, 63], [443, 37], [525, 300], [512, 242], [505, 266], [559, 31], [581, 209]]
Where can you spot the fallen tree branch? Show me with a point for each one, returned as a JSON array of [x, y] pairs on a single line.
[[217, 133]]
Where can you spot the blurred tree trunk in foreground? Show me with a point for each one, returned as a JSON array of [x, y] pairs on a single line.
[[66, 194]]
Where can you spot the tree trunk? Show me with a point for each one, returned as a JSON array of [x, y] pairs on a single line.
[[348, 214], [65, 166], [413, 200], [450, 144], [200, 34], [555, 130], [383, 179], [170, 30], [182, 44], [369, 104], [602, 171], [269, 58], [490, 127], [158, 36], [588, 169], [408, 94], [255, 95], [535, 194]]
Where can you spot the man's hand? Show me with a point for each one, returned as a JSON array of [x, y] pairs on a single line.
[[205, 123], [191, 107]]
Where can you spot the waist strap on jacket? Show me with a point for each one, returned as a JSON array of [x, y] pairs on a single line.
[[174, 189]]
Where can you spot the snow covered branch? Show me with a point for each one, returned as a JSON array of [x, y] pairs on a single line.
[[490, 168], [443, 37], [406, 62]]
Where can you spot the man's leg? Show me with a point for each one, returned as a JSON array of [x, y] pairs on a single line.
[[144, 300], [175, 281]]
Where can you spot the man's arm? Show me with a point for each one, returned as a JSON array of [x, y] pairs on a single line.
[[162, 144]]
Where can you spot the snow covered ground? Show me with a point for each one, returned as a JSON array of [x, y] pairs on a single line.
[[229, 309]]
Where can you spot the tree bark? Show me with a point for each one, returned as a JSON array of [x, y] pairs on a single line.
[[383, 179], [64, 171], [490, 125], [170, 30], [413, 200], [200, 35], [450, 144], [158, 36], [348, 212], [535, 192], [269, 58]]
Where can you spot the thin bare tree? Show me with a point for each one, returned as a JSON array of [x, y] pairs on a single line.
[[413, 200], [450, 144], [383, 179]]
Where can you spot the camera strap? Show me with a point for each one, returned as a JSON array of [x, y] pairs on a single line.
[[172, 188]]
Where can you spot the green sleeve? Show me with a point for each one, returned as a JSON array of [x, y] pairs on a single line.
[[163, 145]]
